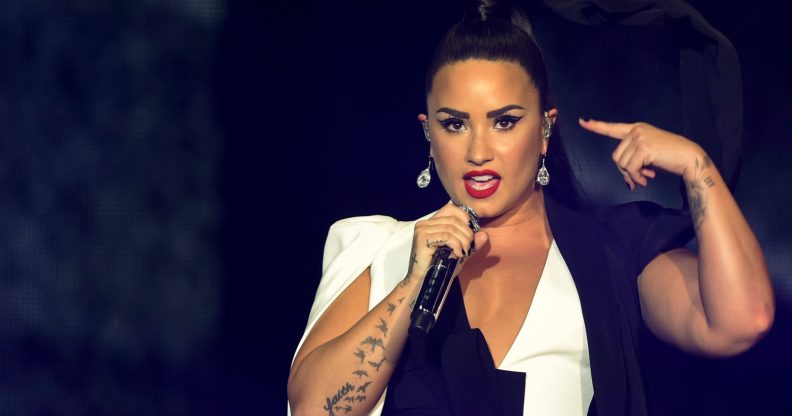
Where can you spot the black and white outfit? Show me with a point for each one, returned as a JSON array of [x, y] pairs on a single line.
[[577, 351]]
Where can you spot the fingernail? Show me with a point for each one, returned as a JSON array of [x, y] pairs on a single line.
[[584, 119]]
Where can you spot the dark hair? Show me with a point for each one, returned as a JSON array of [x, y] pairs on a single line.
[[500, 31]]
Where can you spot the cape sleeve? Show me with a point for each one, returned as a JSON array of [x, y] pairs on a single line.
[[349, 249], [645, 229]]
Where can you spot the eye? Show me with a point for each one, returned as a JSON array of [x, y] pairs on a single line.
[[506, 122], [453, 125]]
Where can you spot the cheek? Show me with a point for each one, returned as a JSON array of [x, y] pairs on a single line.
[[522, 158], [444, 158]]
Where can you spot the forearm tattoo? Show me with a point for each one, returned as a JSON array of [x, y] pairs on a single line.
[[406, 281], [696, 191], [372, 354]]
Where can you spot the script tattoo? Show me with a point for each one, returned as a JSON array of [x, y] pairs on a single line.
[[377, 364], [391, 307], [360, 354], [383, 326], [374, 343], [331, 403], [696, 191]]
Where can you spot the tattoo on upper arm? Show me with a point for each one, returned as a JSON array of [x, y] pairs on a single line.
[[696, 191]]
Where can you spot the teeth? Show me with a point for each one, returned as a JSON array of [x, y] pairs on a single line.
[[482, 178]]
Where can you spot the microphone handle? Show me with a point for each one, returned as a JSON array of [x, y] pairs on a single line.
[[433, 292]]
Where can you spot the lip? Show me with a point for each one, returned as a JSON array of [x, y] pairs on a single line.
[[478, 189]]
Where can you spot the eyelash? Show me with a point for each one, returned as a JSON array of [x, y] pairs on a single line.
[[446, 123]]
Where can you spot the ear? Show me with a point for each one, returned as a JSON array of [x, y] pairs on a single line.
[[553, 114], [424, 127]]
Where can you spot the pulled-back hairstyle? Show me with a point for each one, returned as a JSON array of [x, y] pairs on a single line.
[[500, 31]]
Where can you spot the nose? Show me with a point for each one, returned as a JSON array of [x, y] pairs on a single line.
[[479, 151]]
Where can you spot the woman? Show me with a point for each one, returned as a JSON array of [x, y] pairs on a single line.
[[545, 312]]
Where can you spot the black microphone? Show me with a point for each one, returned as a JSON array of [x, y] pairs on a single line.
[[436, 284]]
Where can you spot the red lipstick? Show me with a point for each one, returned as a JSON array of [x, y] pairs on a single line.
[[481, 183]]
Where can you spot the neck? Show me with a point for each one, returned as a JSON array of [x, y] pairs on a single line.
[[530, 212]]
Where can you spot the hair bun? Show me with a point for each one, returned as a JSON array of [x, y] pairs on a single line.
[[485, 10]]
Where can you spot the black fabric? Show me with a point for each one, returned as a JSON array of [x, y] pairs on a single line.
[[643, 229], [451, 372], [709, 76]]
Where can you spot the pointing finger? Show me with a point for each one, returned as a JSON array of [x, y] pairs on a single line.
[[614, 130]]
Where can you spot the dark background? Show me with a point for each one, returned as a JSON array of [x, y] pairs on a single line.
[[169, 171]]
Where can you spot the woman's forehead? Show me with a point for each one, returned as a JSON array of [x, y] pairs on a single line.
[[482, 83]]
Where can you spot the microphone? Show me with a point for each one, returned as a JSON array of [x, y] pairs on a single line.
[[436, 284]]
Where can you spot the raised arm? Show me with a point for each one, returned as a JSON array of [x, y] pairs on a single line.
[[347, 359], [719, 302]]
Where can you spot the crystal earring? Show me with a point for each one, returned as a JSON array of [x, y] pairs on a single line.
[[426, 175], [542, 176], [548, 125], [425, 126]]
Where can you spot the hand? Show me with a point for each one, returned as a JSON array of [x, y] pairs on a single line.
[[447, 227], [644, 147]]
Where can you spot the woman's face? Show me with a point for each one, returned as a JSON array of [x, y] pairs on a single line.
[[485, 125]]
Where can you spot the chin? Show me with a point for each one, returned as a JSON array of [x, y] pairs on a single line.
[[485, 208]]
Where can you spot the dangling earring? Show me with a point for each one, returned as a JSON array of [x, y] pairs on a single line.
[[543, 176], [426, 175]]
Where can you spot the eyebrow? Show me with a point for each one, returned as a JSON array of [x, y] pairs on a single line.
[[490, 114]]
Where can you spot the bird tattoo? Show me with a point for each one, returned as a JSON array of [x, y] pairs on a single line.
[[383, 326], [362, 388], [360, 354], [360, 373], [391, 307], [374, 343], [377, 364]]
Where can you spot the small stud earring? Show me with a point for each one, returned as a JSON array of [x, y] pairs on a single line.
[[543, 176], [426, 175]]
